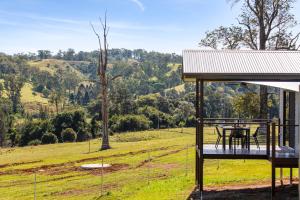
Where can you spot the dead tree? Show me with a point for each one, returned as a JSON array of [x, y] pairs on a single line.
[[102, 67]]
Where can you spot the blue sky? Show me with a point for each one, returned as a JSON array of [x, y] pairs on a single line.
[[160, 25]]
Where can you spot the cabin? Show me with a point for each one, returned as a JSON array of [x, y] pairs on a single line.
[[267, 139]]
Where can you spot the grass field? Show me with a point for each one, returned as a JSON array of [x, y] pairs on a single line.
[[28, 96], [169, 174], [52, 65]]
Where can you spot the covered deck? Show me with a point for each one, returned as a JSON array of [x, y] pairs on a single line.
[[232, 66]]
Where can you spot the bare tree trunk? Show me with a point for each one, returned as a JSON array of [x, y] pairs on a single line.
[[263, 102], [102, 66], [262, 46], [104, 108]]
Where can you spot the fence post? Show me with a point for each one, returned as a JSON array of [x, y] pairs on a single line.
[[186, 160], [102, 177], [148, 171], [34, 185]]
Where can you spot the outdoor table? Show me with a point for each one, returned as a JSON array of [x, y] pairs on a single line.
[[231, 128]]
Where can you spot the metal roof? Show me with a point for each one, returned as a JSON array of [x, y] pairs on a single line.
[[241, 65]]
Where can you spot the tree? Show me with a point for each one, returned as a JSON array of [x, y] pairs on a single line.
[[263, 24], [223, 37], [246, 105], [4, 119], [13, 84], [102, 67], [69, 54], [56, 98], [44, 54]]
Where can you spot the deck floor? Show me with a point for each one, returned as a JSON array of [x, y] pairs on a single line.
[[210, 151]]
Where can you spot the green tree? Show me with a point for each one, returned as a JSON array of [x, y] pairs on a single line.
[[263, 24], [44, 54], [56, 98], [13, 84], [246, 105]]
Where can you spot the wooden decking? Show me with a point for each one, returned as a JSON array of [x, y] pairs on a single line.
[[210, 152]]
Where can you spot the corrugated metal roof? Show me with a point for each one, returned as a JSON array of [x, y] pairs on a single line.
[[241, 65]]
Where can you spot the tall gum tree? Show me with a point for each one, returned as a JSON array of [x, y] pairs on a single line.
[[262, 25], [102, 67]]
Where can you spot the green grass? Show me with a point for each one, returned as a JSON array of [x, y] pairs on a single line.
[[52, 65], [28, 96], [62, 177]]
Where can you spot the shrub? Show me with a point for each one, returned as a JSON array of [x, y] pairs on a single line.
[[129, 123], [96, 126], [83, 135], [39, 88], [75, 120], [69, 135], [165, 120], [33, 130], [34, 142], [49, 138], [46, 92]]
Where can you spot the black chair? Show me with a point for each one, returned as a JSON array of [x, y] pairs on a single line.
[[237, 135], [255, 137], [219, 137]]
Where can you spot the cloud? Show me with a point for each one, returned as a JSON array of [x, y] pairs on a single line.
[[139, 4]]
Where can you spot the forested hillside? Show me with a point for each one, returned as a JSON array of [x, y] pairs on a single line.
[[46, 98]]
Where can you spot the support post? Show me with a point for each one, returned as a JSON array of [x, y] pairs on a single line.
[[273, 158], [291, 176], [291, 117], [201, 133], [197, 133], [284, 118], [268, 139]]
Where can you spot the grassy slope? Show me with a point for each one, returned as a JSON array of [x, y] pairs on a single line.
[[52, 65], [63, 179], [28, 96]]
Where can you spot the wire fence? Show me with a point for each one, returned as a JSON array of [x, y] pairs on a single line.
[[164, 170]]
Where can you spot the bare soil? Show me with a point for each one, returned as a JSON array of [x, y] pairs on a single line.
[[260, 191]]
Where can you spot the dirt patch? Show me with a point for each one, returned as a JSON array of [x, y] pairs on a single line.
[[159, 156], [166, 166], [113, 168], [261, 191], [19, 163], [56, 169]]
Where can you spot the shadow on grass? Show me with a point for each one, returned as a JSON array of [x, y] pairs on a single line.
[[287, 192]]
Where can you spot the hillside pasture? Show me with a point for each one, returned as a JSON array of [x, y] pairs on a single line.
[[157, 164]]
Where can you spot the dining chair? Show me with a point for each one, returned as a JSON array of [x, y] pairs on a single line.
[[236, 136], [220, 136], [255, 137]]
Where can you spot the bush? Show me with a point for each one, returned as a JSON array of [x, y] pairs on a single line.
[[75, 120], [49, 138], [69, 135], [34, 142], [45, 92], [39, 88], [129, 123], [33, 130], [83, 135]]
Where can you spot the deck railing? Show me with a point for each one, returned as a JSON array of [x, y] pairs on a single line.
[[264, 135]]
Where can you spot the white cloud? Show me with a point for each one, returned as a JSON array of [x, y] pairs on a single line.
[[139, 4]]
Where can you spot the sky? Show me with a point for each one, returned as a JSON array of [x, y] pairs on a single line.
[[158, 25]]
